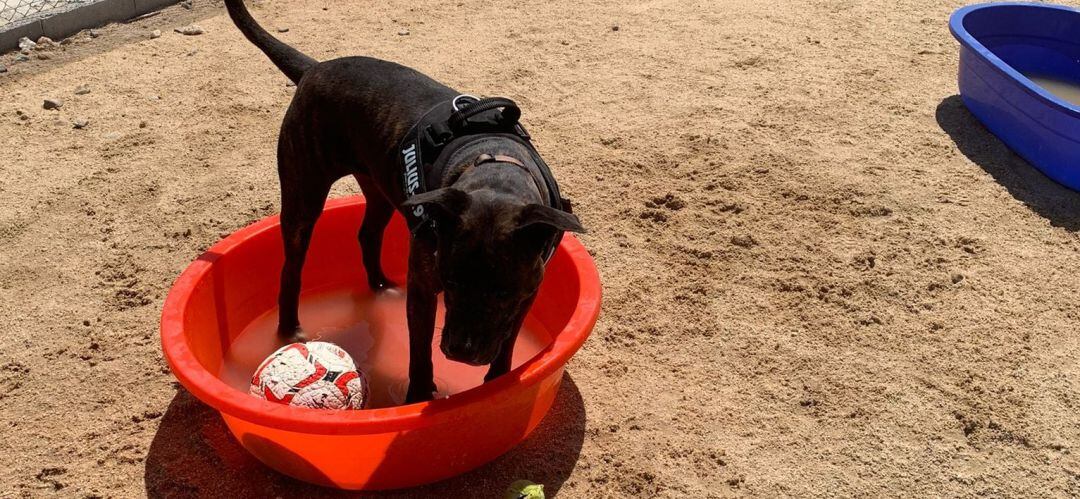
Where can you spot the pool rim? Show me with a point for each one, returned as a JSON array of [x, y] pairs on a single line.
[[216, 393], [968, 41]]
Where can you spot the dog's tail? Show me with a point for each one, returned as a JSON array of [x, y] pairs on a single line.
[[290, 61]]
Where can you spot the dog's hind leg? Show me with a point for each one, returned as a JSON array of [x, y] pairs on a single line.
[[376, 217], [302, 199]]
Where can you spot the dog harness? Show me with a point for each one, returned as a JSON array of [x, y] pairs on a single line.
[[449, 125]]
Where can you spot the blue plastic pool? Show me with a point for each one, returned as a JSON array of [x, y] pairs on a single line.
[[1000, 43]]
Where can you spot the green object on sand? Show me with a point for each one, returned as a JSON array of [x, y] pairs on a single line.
[[524, 489]]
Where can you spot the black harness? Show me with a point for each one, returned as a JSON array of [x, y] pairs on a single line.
[[449, 125]]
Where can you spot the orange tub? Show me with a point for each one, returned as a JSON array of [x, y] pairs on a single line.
[[236, 281]]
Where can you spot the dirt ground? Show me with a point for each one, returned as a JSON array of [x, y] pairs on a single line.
[[822, 276]]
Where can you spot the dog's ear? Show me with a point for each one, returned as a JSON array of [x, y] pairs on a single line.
[[537, 222], [446, 205]]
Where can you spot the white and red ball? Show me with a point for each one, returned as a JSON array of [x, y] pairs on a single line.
[[316, 374]]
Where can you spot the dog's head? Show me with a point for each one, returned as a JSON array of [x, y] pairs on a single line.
[[490, 254]]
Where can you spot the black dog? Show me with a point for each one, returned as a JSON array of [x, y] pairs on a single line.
[[484, 210]]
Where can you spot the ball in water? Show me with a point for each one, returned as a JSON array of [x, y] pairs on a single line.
[[316, 374]]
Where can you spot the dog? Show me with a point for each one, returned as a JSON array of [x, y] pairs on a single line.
[[483, 209]]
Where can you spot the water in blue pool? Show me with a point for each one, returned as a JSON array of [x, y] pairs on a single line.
[[1067, 90]]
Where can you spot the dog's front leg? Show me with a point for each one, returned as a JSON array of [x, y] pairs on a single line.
[[502, 363], [420, 307]]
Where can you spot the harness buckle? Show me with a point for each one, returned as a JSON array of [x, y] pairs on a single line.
[[522, 133], [471, 99], [439, 134]]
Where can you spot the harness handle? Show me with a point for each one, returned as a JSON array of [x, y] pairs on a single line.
[[510, 112]]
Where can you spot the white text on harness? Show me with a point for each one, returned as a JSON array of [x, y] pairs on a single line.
[[412, 176]]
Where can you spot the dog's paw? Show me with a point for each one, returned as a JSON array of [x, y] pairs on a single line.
[[292, 335], [392, 292], [381, 284], [420, 394], [419, 397]]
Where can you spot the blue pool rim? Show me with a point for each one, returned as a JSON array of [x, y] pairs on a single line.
[[956, 26], [1037, 125]]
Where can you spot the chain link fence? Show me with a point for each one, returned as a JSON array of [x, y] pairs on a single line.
[[14, 12], [58, 19]]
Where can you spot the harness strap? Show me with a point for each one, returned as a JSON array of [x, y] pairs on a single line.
[[499, 158], [509, 115], [458, 118], [502, 158]]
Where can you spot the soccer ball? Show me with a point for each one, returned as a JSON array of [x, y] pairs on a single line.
[[316, 374]]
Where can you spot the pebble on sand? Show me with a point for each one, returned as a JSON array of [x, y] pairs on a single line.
[[3, 68], [283, 29], [743, 241], [403, 32], [82, 89], [155, 34], [26, 45], [46, 42], [93, 33], [53, 104], [190, 30], [22, 58], [80, 124]]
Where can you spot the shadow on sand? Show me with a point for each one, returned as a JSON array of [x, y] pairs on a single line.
[[194, 455], [1027, 184]]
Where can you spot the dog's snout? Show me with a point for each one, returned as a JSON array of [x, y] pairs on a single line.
[[466, 351], [464, 356]]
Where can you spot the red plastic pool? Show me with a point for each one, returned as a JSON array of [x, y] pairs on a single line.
[[235, 282]]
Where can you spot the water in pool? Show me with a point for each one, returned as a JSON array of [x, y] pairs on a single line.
[[1067, 90], [372, 328]]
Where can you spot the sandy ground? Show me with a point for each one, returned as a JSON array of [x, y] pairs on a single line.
[[823, 277]]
